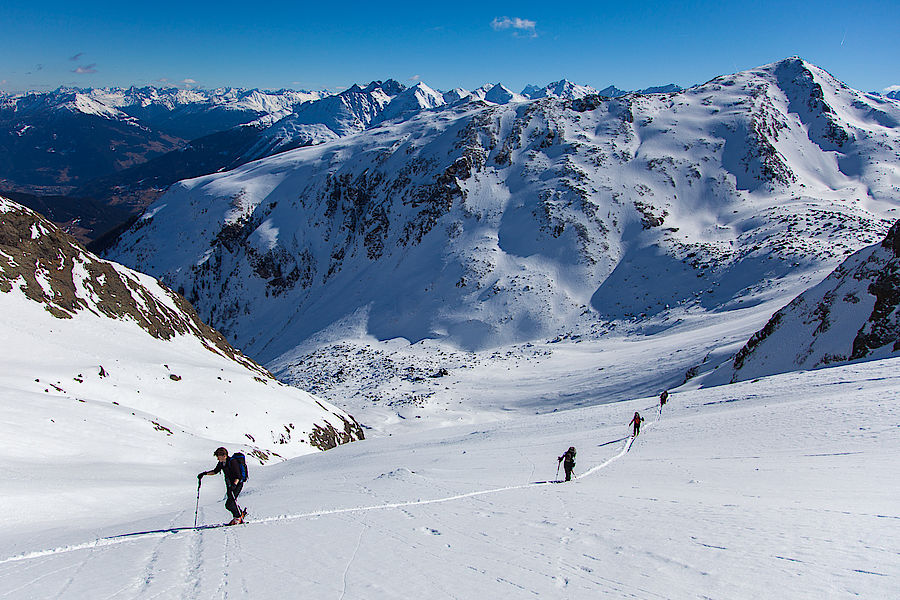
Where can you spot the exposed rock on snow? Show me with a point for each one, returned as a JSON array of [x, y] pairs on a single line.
[[853, 314]]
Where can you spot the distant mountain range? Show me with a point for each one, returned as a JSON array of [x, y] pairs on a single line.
[[56, 141], [122, 147]]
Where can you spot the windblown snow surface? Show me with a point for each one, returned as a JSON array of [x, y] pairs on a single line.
[[785, 485]]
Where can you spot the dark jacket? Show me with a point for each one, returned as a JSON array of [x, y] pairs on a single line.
[[231, 469]]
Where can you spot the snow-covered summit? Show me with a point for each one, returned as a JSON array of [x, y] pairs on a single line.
[[457, 95], [348, 112], [498, 94], [410, 101]]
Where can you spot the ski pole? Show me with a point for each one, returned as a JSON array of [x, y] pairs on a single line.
[[557, 469], [197, 509]]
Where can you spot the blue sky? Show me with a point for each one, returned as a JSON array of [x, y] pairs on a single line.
[[330, 45]]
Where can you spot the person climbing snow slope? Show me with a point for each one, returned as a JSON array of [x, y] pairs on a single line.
[[636, 421], [568, 461], [234, 469]]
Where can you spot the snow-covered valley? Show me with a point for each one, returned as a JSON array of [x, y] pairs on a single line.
[[786, 483]]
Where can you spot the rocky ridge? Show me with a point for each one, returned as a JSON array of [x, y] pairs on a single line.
[[45, 267], [853, 314]]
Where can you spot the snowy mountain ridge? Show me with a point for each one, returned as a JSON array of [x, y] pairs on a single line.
[[133, 101], [572, 91], [96, 142], [480, 226]]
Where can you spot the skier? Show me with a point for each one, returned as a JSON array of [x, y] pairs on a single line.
[[636, 421], [662, 399], [235, 472], [569, 464]]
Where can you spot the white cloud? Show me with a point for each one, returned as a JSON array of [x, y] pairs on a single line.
[[892, 88], [85, 69], [77, 57], [415, 78], [518, 24]]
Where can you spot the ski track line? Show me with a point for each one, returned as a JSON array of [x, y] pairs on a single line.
[[145, 580], [123, 538], [352, 558]]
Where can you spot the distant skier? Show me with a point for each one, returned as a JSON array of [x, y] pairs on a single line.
[[662, 398], [568, 461], [636, 421], [234, 469]]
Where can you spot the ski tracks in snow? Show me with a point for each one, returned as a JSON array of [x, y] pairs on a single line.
[[197, 546], [362, 531]]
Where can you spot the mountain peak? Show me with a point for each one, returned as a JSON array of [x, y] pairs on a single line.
[[411, 100], [559, 89], [500, 94]]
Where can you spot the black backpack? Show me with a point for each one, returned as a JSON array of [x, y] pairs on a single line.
[[242, 464]]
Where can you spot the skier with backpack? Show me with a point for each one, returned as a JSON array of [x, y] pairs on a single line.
[[636, 421], [234, 468], [568, 461]]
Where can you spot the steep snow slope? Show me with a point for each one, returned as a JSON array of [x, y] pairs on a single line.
[[410, 101], [852, 314], [734, 492], [488, 225], [103, 366]]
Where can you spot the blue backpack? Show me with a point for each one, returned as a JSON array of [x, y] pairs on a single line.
[[242, 464]]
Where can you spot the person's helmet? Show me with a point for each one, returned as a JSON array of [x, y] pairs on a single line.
[[571, 448], [220, 451]]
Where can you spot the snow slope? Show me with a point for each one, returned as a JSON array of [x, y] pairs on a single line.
[[110, 378], [731, 492]]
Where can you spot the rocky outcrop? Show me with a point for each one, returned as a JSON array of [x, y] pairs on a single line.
[[50, 268], [853, 314]]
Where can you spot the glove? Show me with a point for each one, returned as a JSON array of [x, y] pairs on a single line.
[[200, 476]]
